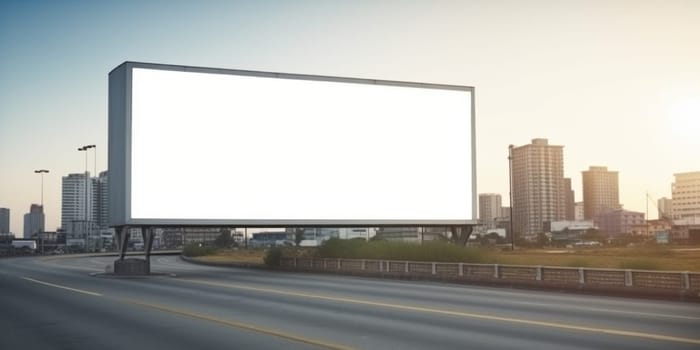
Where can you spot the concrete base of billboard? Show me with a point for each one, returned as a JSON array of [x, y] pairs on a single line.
[[132, 266]]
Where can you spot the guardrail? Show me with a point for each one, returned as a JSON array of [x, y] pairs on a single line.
[[684, 284]]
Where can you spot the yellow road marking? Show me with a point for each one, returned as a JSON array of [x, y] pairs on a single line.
[[240, 325], [63, 287], [572, 327]]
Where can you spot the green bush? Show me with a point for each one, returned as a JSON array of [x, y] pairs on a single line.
[[428, 251], [196, 249], [273, 257]]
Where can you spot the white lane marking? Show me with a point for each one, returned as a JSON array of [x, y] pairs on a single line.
[[63, 287], [595, 309]]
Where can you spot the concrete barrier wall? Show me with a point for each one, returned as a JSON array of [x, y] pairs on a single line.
[[655, 282]]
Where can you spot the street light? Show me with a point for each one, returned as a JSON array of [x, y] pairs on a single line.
[[42, 172], [87, 178], [512, 206]]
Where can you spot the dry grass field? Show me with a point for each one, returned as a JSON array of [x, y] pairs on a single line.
[[679, 258], [671, 258]]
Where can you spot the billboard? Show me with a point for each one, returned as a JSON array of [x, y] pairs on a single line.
[[206, 146]]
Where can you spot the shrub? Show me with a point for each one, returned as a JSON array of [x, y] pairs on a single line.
[[273, 257], [196, 249], [428, 251]]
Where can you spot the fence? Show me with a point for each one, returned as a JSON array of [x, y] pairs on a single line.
[[661, 282]]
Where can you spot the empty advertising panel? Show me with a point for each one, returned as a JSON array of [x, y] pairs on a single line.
[[204, 146]]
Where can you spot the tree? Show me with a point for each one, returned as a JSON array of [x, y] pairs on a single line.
[[460, 235], [298, 235], [224, 240]]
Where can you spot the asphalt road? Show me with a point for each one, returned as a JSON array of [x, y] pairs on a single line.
[[58, 303]]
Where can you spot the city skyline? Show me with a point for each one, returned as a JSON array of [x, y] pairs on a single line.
[[607, 86]]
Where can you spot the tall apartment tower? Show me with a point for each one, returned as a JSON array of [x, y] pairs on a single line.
[[100, 195], [686, 195], [4, 220], [34, 221], [569, 200], [489, 206], [538, 187], [600, 191], [76, 203]]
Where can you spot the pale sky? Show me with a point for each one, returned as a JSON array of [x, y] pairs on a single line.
[[616, 82]]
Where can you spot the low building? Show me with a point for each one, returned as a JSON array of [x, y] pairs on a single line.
[[651, 227], [619, 222], [568, 231], [686, 230], [413, 234]]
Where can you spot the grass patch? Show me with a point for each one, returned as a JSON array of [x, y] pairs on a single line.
[[428, 251], [639, 264], [578, 262]]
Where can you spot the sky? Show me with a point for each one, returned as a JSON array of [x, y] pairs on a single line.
[[617, 83]]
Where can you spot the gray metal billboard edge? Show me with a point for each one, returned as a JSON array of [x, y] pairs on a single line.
[[122, 142]]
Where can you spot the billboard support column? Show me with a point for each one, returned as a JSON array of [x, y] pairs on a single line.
[[122, 240]]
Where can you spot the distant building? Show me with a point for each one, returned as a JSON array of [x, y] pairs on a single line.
[[619, 222], [538, 187], [600, 191], [356, 232], [686, 195], [567, 231], [686, 230], [412, 234], [100, 195], [34, 221], [4, 220], [76, 204], [578, 211], [505, 212], [651, 227], [569, 200], [489, 207], [665, 206]]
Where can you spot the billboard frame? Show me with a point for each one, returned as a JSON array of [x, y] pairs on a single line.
[[120, 132]]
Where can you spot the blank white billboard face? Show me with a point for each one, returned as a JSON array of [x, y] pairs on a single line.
[[208, 146]]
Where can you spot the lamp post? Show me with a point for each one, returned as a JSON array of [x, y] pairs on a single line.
[[41, 234], [87, 178], [42, 172], [512, 206]]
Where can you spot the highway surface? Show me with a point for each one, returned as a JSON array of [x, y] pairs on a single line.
[[59, 303]]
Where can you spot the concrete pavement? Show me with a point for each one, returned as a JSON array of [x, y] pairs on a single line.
[[56, 303]]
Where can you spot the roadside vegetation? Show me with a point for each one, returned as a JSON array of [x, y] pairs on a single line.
[[647, 257], [429, 251]]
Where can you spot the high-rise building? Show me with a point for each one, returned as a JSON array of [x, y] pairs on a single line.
[[34, 221], [100, 210], [76, 203], [686, 195], [489, 206], [665, 208], [4, 220], [538, 187], [600, 191], [578, 211], [569, 200]]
